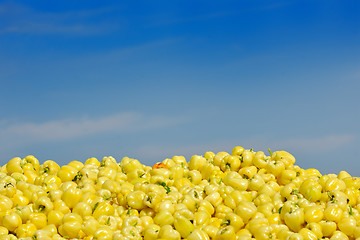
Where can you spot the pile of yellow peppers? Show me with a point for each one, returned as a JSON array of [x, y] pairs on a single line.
[[239, 196]]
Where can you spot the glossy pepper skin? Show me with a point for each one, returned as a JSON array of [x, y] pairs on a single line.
[[183, 226], [242, 195]]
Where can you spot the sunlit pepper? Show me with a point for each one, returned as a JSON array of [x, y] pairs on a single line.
[[313, 214], [71, 197], [260, 160], [284, 157], [337, 235], [3, 231], [315, 228], [7, 188], [132, 165], [347, 225], [333, 213], [55, 217], [167, 232], [245, 210], [24, 212], [328, 228], [234, 220], [15, 165], [102, 208], [49, 167], [248, 172], [196, 162], [11, 221], [67, 173], [201, 218], [226, 233], [38, 219], [198, 234], [5, 203], [254, 224], [263, 232], [231, 163], [247, 157], [183, 226], [307, 234], [151, 233], [90, 226], [25, 230], [294, 219], [70, 229], [164, 218], [235, 181], [136, 199]]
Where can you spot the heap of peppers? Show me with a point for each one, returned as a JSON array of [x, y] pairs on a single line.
[[240, 195]]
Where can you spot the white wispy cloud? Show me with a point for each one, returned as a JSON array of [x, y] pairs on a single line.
[[73, 128], [17, 18]]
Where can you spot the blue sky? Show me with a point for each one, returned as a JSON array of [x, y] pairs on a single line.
[[154, 79]]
